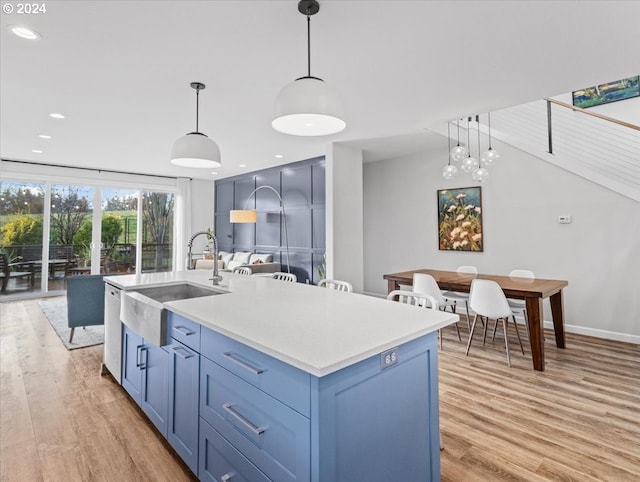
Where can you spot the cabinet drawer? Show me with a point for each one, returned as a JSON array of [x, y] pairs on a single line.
[[283, 382], [219, 461], [274, 437], [185, 331]]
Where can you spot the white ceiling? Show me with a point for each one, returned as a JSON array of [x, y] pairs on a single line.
[[120, 71]]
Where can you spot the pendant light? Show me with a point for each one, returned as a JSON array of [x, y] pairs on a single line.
[[469, 164], [479, 174], [458, 153], [449, 171], [490, 156], [195, 149], [308, 106]]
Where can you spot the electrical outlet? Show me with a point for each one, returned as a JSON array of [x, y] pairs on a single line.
[[388, 358]]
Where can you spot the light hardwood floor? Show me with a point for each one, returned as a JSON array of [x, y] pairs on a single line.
[[579, 420]]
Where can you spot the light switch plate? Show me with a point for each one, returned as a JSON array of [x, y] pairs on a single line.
[[566, 219]]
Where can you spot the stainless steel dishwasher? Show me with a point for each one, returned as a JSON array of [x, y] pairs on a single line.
[[112, 332]]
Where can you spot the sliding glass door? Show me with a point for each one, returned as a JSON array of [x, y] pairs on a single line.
[[21, 229], [119, 230], [49, 231], [70, 234]]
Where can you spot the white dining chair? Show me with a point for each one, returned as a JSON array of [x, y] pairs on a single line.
[[459, 297], [519, 306], [243, 270], [421, 300], [426, 284], [336, 285], [285, 276], [488, 301]]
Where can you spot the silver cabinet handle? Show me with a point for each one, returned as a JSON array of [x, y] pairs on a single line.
[[227, 477], [143, 364], [244, 421], [183, 352], [243, 364], [139, 363], [183, 330]]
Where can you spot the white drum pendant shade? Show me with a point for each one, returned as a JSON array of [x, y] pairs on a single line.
[[195, 150], [308, 107]]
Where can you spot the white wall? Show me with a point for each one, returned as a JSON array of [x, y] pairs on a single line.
[[202, 202], [598, 253], [344, 218]]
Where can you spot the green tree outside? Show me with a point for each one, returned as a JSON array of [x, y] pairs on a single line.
[[22, 229]]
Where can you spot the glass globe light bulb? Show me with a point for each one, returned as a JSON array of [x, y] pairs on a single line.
[[449, 171], [490, 156], [480, 174], [469, 164], [459, 153]]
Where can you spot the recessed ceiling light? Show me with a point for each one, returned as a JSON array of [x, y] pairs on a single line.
[[279, 156], [214, 173], [55, 115], [243, 165], [24, 32], [44, 136], [37, 151]]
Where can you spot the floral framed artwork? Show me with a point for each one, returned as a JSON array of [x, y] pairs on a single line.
[[460, 219]]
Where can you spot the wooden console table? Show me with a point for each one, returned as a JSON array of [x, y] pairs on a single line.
[[533, 291]]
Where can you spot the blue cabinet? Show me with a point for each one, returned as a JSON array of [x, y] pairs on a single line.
[[145, 377], [364, 422], [184, 384], [273, 436], [232, 412], [131, 374]]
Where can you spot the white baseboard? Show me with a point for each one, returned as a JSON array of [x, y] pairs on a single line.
[[579, 330], [596, 333]]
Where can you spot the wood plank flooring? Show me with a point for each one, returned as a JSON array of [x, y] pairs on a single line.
[[579, 420]]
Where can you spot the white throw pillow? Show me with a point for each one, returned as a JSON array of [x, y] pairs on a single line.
[[225, 257], [241, 256]]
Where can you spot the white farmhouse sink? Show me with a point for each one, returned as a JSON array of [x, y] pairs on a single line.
[[142, 309]]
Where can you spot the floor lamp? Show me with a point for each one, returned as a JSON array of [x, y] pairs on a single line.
[[251, 216]]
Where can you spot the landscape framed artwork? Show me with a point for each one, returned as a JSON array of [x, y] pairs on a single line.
[[605, 93], [460, 219]]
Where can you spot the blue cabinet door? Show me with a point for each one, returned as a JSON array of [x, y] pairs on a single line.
[[131, 359], [154, 394], [184, 391]]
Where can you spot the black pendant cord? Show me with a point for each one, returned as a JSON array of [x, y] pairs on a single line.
[[308, 46], [197, 107], [458, 124], [479, 153], [468, 141]]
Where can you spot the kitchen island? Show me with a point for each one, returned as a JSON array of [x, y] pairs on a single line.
[[282, 381]]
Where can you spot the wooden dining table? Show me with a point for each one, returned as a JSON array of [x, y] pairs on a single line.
[[532, 290]]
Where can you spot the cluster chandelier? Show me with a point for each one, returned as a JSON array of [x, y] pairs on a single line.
[[195, 149], [308, 106], [461, 154]]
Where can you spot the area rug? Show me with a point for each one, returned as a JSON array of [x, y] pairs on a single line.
[[55, 309]]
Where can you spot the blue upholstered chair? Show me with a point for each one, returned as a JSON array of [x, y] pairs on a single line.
[[85, 301]]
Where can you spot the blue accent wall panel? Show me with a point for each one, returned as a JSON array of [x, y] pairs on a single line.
[[302, 186]]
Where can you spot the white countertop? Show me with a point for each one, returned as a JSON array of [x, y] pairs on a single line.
[[317, 330]]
